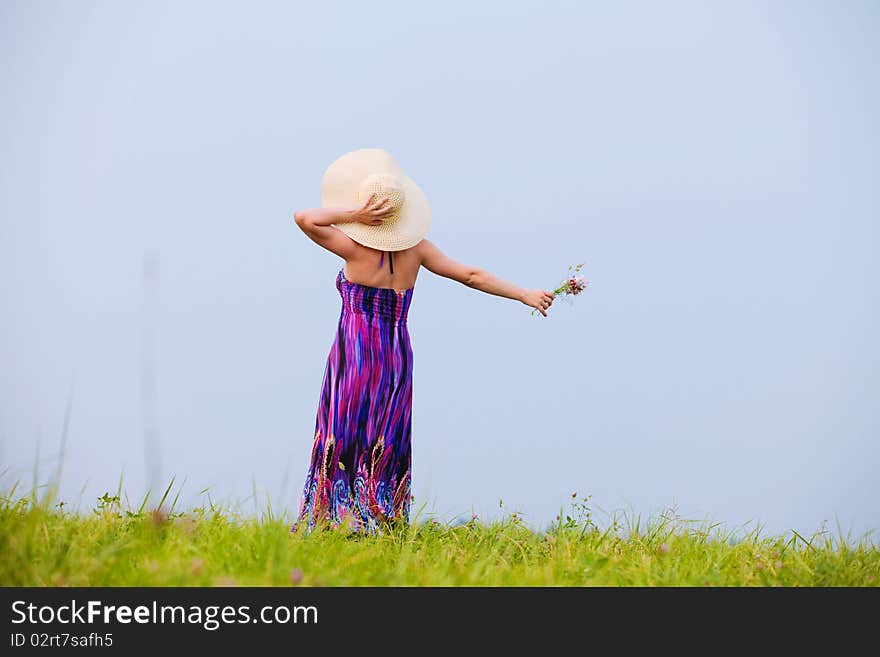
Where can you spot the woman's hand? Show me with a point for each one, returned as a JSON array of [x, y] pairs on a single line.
[[540, 300], [374, 212]]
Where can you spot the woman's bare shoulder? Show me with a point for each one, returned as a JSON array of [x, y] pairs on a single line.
[[425, 249]]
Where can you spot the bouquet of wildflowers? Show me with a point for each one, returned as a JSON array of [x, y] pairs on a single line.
[[571, 286]]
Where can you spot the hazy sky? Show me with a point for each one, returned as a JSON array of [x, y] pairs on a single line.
[[714, 163]]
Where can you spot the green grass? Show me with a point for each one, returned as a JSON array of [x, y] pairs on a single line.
[[44, 545]]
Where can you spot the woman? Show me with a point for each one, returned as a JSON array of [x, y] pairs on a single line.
[[374, 217]]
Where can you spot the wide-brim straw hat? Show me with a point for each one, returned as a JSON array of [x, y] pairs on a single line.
[[350, 180]]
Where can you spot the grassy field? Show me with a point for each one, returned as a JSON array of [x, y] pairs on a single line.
[[112, 545]]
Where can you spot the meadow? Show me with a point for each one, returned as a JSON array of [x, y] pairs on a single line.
[[114, 544]]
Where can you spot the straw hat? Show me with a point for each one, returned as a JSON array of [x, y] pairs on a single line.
[[350, 180]]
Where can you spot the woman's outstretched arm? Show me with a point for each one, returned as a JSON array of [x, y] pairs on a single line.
[[317, 223], [439, 263]]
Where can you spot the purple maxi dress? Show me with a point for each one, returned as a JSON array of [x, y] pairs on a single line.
[[360, 470]]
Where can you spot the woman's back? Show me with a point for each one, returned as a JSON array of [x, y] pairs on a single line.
[[374, 268]]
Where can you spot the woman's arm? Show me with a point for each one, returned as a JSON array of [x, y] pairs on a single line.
[[317, 223], [439, 263]]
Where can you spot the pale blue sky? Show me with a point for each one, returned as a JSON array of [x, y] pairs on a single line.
[[715, 163]]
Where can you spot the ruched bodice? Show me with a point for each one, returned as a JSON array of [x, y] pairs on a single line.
[[379, 302]]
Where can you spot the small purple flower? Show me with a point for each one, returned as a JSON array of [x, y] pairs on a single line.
[[577, 284]]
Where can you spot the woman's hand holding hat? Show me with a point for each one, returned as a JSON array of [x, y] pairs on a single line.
[[374, 211]]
